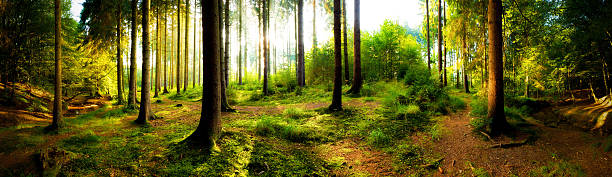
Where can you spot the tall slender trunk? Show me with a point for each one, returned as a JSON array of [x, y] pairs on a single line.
[[259, 41], [440, 43], [57, 98], [119, 59], [427, 28], [222, 20], [178, 48], [336, 104], [444, 23], [240, 42], [300, 43], [226, 54], [157, 57], [209, 127], [464, 59], [132, 84], [344, 34], [186, 70], [314, 24], [165, 49], [357, 80], [145, 97], [195, 29], [265, 48], [173, 31], [496, 70]]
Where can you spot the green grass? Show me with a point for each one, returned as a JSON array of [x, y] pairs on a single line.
[[378, 138], [558, 168], [296, 113]]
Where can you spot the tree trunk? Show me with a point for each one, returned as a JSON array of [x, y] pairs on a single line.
[[209, 127], [195, 58], [464, 60], [165, 50], [157, 57], [178, 48], [240, 42], [265, 48], [444, 23], [357, 80], [300, 41], [132, 84], [346, 63], [440, 43], [186, 70], [57, 98], [336, 104], [119, 59], [496, 70], [226, 54], [173, 30], [427, 28], [224, 11], [145, 97]]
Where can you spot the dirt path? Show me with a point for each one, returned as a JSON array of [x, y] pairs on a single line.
[[460, 146]]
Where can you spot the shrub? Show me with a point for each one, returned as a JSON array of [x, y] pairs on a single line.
[[378, 138]]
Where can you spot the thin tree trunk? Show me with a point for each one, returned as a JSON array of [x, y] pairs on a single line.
[[265, 48], [346, 63], [226, 54], [132, 84], [300, 41], [240, 42], [172, 53], [224, 20], [440, 43], [145, 98], [464, 60], [157, 57], [119, 59], [195, 29], [427, 28], [186, 70], [496, 70], [209, 127], [165, 50], [57, 98], [336, 104], [444, 23], [178, 48], [357, 80]]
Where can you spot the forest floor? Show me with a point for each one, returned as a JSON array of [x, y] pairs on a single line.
[[294, 135]]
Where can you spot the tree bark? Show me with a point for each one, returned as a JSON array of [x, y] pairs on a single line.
[[427, 28], [336, 104], [119, 59], [300, 41], [157, 57], [165, 50], [195, 41], [145, 97], [57, 98], [186, 70], [226, 54], [444, 23], [346, 63], [464, 59], [265, 48], [240, 42], [224, 20], [132, 80], [440, 43], [357, 80], [209, 127], [178, 48], [496, 70]]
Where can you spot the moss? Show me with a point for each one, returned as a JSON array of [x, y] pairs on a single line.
[[558, 168], [378, 138], [269, 160]]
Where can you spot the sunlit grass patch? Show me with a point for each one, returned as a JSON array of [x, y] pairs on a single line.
[[558, 168], [269, 160], [296, 113]]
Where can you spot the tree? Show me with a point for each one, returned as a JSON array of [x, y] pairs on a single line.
[[209, 127], [265, 48], [195, 41], [357, 80], [240, 28], [427, 28], [440, 43], [186, 70], [496, 70], [178, 47], [344, 34], [145, 97], [132, 79], [226, 54], [336, 104], [119, 59], [57, 98], [157, 56], [300, 47], [166, 49], [224, 11]]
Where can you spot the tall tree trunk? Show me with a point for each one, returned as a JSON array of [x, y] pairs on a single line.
[[186, 70], [346, 63], [427, 28], [336, 104], [57, 98], [240, 42], [496, 70], [440, 43], [464, 60], [195, 41], [132, 84], [165, 49], [224, 21], [265, 48], [357, 80], [178, 48], [226, 54], [259, 41], [314, 24], [145, 97], [300, 41], [209, 127], [444, 23], [173, 31], [157, 57], [119, 59]]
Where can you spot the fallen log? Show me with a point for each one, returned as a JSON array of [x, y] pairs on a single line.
[[509, 145]]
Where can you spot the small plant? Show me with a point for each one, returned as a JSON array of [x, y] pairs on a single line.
[[378, 138], [296, 133], [295, 113], [267, 126], [78, 141]]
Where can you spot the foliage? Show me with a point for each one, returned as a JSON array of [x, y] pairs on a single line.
[[558, 168], [378, 138]]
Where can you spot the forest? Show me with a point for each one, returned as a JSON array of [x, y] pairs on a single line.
[[302, 88]]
